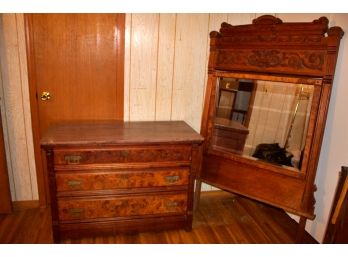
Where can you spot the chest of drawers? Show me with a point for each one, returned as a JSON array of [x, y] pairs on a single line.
[[107, 177]]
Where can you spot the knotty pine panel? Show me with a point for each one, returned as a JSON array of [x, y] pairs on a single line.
[[190, 68], [18, 133], [165, 66], [143, 66]]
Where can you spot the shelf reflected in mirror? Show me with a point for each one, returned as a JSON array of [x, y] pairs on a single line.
[[262, 120]]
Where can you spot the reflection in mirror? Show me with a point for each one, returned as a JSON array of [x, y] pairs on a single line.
[[262, 120]]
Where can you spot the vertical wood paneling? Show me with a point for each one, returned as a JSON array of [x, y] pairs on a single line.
[[166, 60], [26, 104], [215, 20], [4, 123], [189, 68], [241, 18], [143, 69], [3, 79], [16, 110], [165, 66], [127, 65]]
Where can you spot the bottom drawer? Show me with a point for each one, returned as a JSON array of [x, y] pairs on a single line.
[[94, 208]]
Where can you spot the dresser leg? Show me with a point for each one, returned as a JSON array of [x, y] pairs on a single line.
[[188, 226], [301, 230], [197, 194]]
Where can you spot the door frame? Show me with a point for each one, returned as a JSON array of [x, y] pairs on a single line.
[[5, 192], [41, 174]]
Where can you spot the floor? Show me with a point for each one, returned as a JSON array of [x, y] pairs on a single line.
[[220, 218]]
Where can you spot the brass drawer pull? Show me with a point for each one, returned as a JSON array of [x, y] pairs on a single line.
[[74, 184], [172, 179], [72, 159], [76, 212], [124, 154], [171, 204]]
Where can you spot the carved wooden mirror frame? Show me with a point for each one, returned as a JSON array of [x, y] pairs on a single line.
[[272, 50]]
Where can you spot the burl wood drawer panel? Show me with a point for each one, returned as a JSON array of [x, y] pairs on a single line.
[[80, 180], [94, 208], [127, 155]]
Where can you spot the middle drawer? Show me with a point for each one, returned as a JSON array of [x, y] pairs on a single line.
[[116, 179]]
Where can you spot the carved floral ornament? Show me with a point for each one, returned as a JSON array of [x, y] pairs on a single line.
[[270, 44], [266, 37], [272, 59]]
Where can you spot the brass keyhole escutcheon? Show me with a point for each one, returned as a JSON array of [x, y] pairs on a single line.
[[45, 96]]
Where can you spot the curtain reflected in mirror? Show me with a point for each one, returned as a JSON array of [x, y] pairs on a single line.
[[262, 120]]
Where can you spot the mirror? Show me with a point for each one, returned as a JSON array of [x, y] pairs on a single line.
[[262, 120], [266, 101]]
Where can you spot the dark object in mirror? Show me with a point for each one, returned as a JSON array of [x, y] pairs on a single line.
[[273, 153]]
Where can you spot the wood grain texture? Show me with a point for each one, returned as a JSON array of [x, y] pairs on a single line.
[[114, 132], [122, 155], [231, 54], [14, 79], [127, 65], [3, 110], [28, 226], [120, 176], [5, 193], [120, 179], [337, 228], [26, 103], [41, 173], [143, 70], [165, 66], [255, 182], [326, 185], [75, 55], [189, 73], [24, 205], [126, 206], [221, 218], [241, 18]]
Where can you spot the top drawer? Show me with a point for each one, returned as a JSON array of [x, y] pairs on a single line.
[[71, 156]]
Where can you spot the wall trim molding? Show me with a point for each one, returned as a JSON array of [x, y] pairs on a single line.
[[25, 205]]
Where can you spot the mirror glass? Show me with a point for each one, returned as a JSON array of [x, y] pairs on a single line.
[[262, 120]]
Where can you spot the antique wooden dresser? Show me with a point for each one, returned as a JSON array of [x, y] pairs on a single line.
[[110, 176]]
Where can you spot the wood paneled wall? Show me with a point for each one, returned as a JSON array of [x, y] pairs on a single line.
[[15, 103], [166, 58], [166, 64]]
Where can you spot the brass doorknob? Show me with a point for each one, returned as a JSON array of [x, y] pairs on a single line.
[[45, 96]]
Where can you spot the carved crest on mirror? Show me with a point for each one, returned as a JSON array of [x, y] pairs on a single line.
[[266, 102]]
